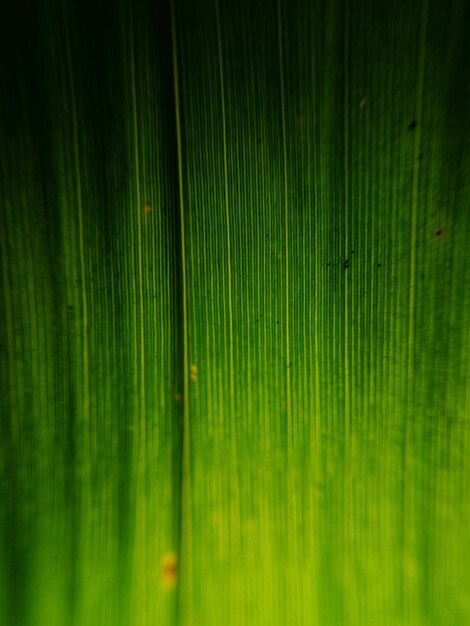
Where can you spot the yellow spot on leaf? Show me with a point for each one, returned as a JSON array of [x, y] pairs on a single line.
[[148, 209], [193, 372], [362, 103], [169, 570], [178, 397]]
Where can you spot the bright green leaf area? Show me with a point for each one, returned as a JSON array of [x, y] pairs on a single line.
[[235, 313]]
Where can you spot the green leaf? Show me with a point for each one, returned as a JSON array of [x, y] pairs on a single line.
[[235, 313]]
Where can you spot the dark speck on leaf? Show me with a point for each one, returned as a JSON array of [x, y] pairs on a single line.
[[346, 264], [439, 232], [379, 265], [413, 125]]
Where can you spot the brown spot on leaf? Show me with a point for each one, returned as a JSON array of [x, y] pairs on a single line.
[[439, 232], [169, 570], [362, 103]]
